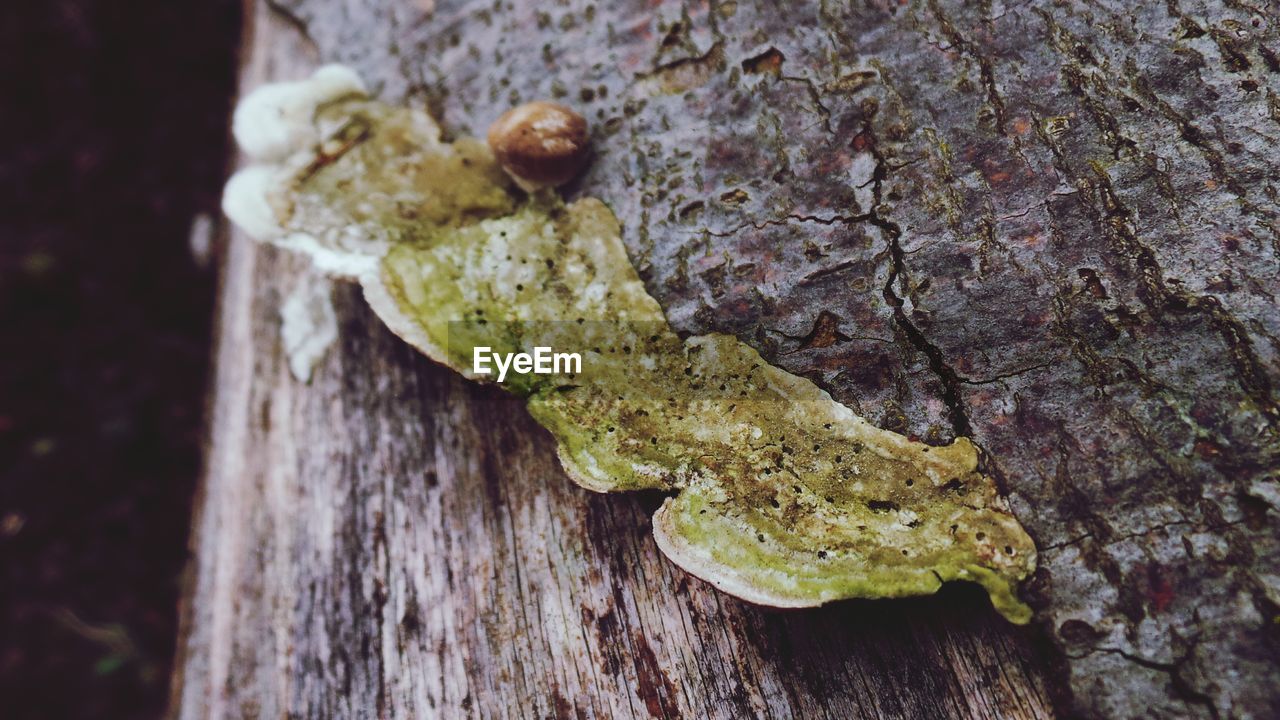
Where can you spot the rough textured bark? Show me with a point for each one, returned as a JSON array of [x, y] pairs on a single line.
[[1049, 226]]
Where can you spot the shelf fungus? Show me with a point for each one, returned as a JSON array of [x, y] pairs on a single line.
[[780, 495]]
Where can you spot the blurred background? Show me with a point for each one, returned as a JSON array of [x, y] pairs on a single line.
[[114, 119]]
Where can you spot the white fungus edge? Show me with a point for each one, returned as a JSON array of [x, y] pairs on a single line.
[[244, 201], [275, 120]]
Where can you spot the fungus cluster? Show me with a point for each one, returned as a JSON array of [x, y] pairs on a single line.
[[779, 494]]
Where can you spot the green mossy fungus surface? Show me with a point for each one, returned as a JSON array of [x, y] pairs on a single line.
[[781, 495]]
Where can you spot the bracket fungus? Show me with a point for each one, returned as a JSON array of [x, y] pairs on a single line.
[[779, 494]]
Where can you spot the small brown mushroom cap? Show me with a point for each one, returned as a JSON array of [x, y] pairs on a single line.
[[540, 144]]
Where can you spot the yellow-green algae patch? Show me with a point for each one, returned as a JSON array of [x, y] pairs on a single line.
[[782, 496]]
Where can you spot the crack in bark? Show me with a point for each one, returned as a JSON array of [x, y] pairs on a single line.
[[785, 220], [1180, 684], [1005, 375], [986, 69], [816, 96], [897, 269], [1115, 221], [1200, 526]]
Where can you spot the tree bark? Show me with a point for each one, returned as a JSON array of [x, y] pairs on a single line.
[[1051, 227]]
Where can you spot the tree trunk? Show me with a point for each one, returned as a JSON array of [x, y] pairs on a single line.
[[1047, 226]]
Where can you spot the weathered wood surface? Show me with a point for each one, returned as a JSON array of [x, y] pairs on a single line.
[[1051, 226]]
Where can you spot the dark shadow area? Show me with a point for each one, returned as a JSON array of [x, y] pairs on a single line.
[[916, 657], [114, 128], [905, 648]]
